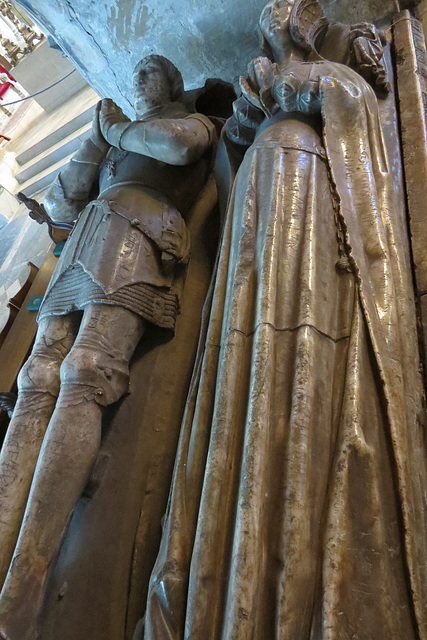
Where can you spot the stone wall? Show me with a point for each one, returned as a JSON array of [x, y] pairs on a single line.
[[41, 68]]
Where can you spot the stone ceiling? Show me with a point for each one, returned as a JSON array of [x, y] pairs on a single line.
[[105, 38]]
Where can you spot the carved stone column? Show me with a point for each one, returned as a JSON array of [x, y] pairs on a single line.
[[411, 71]]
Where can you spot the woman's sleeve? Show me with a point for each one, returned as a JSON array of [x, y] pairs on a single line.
[[241, 128]]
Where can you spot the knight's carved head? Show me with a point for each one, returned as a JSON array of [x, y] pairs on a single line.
[[156, 81]]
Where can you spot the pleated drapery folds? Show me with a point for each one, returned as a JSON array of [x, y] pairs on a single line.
[[297, 509]]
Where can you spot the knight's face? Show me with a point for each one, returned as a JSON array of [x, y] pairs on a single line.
[[274, 22], [150, 89]]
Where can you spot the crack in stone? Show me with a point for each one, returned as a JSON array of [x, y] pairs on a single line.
[[73, 16]]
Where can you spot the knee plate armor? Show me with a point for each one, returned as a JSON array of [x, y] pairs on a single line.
[[94, 374]]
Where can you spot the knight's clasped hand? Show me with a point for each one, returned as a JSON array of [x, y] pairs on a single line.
[[111, 121]]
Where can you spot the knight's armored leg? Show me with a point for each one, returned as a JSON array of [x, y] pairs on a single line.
[[93, 375], [38, 385]]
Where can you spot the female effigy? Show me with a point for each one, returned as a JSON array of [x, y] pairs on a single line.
[[297, 508]]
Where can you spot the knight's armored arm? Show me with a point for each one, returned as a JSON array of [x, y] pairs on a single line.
[[70, 191], [176, 141]]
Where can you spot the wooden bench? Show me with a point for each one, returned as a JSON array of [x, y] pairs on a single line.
[[20, 337], [9, 313]]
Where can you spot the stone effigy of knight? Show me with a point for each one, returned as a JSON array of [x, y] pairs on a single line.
[[129, 187]]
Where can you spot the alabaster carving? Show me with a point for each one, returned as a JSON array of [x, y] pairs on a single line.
[[129, 188], [297, 508]]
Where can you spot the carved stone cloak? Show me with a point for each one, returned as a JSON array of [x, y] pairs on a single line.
[[297, 509]]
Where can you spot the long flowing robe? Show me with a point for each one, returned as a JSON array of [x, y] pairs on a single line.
[[298, 504]]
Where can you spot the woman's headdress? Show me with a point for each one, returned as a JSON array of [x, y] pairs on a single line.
[[307, 23]]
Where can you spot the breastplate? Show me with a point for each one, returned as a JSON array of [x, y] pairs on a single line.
[[179, 184]]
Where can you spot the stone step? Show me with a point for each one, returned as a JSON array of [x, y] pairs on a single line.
[[54, 154], [52, 139], [43, 179]]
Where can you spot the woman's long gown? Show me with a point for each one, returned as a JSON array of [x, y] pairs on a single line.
[[297, 509]]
